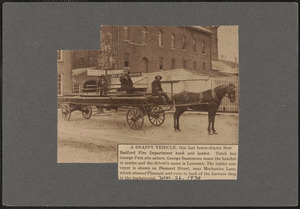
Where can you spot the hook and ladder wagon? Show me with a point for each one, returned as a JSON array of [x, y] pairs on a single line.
[[139, 105]]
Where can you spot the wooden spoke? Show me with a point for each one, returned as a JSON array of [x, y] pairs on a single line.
[[66, 112], [156, 116], [87, 112], [134, 118]]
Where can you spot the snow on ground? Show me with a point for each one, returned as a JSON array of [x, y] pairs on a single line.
[[95, 140]]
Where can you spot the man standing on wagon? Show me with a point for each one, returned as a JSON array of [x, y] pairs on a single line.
[[126, 83], [103, 86], [157, 90]]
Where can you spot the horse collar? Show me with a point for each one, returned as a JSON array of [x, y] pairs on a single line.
[[213, 93]]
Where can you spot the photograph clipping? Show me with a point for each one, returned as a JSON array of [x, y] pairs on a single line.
[[161, 101], [121, 104]]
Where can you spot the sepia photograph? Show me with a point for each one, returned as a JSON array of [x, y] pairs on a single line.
[[175, 85], [120, 104]]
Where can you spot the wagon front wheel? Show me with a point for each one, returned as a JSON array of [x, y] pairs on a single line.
[[135, 118], [156, 116], [87, 112], [66, 112]]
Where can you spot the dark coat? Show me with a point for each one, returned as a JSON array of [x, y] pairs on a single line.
[[126, 82], [103, 83], [156, 86]]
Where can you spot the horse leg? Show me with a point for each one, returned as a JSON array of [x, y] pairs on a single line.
[[176, 119], [178, 112], [175, 116], [209, 122], [213, 123]]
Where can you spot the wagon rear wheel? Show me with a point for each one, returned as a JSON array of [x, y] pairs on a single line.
[[156, 116], [135, 118], [87, 112], [66, 112]]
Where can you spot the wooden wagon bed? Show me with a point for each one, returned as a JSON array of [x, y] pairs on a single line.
[[139, 105]]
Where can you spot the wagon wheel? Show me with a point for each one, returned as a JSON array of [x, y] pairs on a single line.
[[135, 118], [156, 116], [87, 112], [66, 112]]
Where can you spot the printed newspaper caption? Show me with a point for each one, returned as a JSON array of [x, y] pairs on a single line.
[[177, 162]]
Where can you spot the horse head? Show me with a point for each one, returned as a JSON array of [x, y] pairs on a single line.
[[231, 92]]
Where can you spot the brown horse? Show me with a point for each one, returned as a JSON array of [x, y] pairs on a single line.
[[209, 101]]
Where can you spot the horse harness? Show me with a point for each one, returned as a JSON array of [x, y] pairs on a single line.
[[228, 91], [214, 98]]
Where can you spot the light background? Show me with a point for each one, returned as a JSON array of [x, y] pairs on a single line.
[[268, 144]]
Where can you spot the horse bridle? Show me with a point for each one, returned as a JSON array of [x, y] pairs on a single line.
[[228, 90]]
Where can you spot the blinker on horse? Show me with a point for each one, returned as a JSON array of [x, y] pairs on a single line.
[[208, 101]]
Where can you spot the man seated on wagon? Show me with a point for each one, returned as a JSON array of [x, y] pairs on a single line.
[[126, 83], [157, 90], [103, 85]]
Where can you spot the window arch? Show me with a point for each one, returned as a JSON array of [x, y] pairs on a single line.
[[195, 65], [173, 40], [173, 63], [194, 45], [145, 68], [203, 47], [145, 35], [160, 37], [126, 59], [183, 43], [126, 33], [161, 63]]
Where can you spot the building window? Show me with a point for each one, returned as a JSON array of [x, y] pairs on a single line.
[[76, 88], [184, 64], [173, 41], [92, 62], [194, 45], [195, 65], [126, 33], [82, 62], [126, 60], [59, 84], [145, 65], [173, 63], [203, 66], [59, 55], [203, 47], [160, 37], [161, 63], [145, 35], [183, 43]]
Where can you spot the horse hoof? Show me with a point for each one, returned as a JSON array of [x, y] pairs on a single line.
[[210, 133], [215, 132]]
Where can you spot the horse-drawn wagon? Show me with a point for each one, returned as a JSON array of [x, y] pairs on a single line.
[[151, 105], [139, 105]]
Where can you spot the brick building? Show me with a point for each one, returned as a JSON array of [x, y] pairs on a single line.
[[214, 41], [149, 49], [67, 60], [144, 49]]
